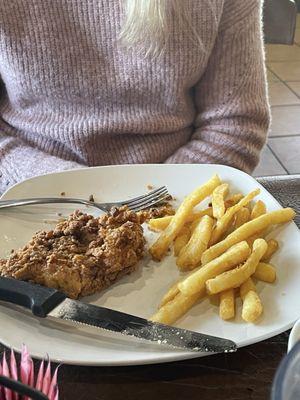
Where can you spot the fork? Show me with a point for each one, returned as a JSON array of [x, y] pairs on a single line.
[[136, 204]]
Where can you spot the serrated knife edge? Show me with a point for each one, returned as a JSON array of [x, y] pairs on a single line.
[[140, 328]]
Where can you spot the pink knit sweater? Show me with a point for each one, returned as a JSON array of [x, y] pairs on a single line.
[[73, 96]]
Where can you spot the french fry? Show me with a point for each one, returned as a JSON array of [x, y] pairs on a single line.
[[234, 278], [171, 293], [272, 248], [265, 272], [195, 282], [226, 266], [194, 224], [241, 217], [247, 230], [246, 287], [258, 235], [181, 240], [252, 305], [175, 308], [232, 200], [190, 254], [217, 200], [160, 247], [199, 214], [227, 304], [223, 223], [258, 209], [159, 224], [214, 300]]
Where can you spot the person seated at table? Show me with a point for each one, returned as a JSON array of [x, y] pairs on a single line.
[[130, 81]]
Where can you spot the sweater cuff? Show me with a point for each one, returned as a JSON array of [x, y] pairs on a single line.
[[24, 162], [200, 152]]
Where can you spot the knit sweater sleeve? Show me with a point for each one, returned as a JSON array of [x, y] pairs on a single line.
[[19, 161], [231, 98]]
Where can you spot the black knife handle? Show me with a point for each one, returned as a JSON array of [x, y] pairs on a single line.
[[39, 299]]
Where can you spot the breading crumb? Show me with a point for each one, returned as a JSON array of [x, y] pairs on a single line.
[[91, 198], [63, 193], [156, 212], [150, 187]]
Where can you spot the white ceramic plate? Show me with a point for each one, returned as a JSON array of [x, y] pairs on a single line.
[[140, 292], [294, 335]]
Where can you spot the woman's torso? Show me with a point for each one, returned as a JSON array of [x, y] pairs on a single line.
[[74, 91]]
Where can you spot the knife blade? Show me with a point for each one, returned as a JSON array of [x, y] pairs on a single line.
[[46, 302]]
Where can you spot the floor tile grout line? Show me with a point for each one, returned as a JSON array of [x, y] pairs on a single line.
[[281, 105], [294, 44], [277, 158], [286, 85], [282, 81], [285, 105], [288, 81], [282, 61], [283, 136], [278, 77], [291, 89]]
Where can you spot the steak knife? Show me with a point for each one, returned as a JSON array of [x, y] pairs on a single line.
[[46, 302]]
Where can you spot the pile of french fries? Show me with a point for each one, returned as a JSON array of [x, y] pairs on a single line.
[[223, 246]]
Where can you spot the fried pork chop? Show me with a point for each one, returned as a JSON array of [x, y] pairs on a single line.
[[82, 255]]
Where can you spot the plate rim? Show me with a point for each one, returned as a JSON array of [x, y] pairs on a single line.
[[149, 361], [72, 170], [294, 336]]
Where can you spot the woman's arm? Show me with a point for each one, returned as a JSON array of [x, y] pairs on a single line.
[[18, 161], [231, 98]]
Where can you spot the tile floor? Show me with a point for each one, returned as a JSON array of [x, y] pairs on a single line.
[[281, 154]]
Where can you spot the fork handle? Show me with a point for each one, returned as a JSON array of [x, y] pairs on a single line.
[[43, 200]]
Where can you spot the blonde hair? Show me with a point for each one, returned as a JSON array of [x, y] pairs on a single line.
[[148, 24]]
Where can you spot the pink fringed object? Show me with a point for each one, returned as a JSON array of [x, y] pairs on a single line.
[[44, 381]]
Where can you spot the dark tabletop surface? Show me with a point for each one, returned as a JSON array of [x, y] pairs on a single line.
[[246, 374]]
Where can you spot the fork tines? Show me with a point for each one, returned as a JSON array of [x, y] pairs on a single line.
[[148, 200]]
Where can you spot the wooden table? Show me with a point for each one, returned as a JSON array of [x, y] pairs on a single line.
[[246, 374]]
